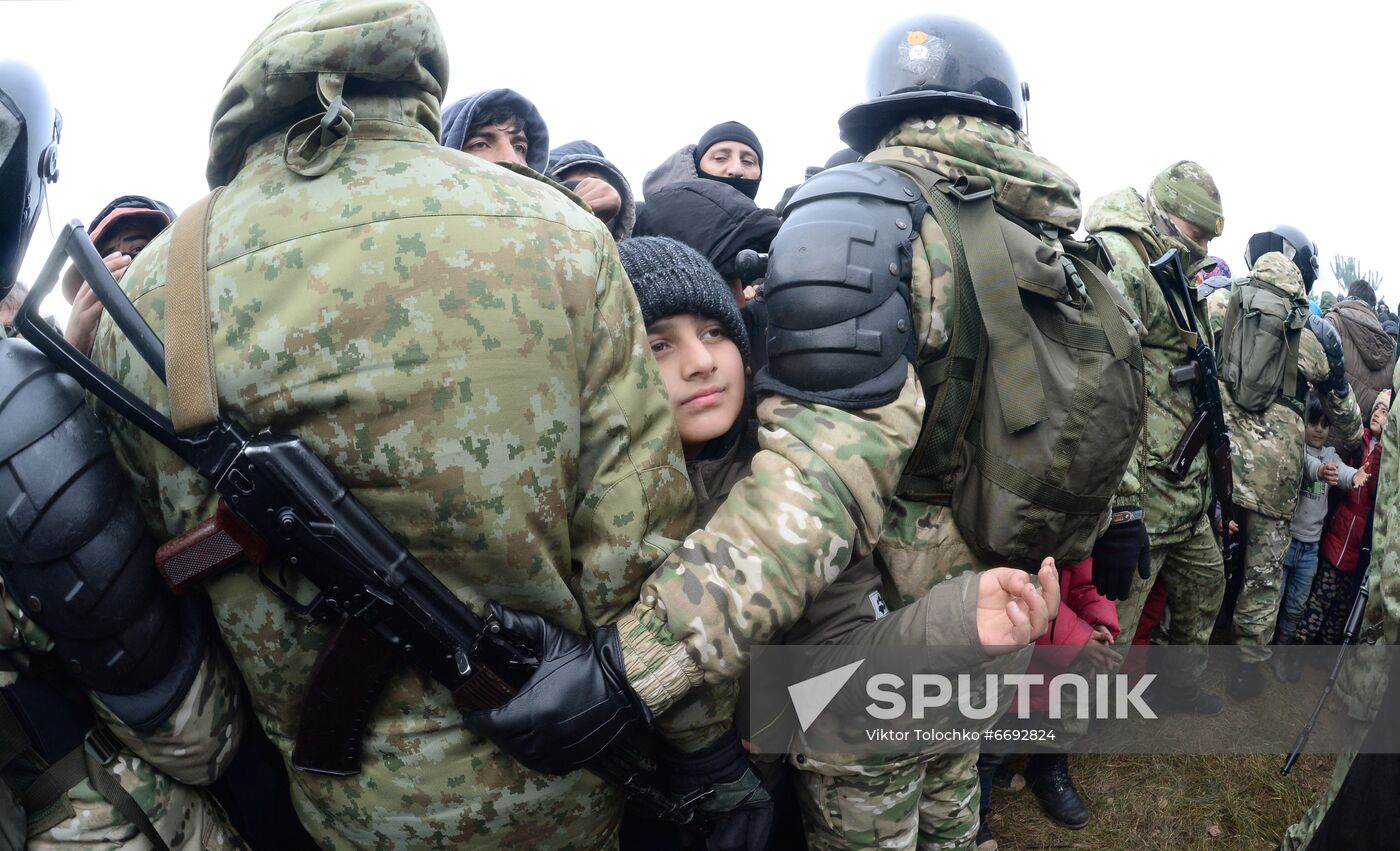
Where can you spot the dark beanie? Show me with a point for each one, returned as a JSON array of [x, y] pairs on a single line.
[[1361, 290], [672, 278], [729, 131]]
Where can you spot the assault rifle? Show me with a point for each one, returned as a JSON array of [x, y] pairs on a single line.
[[278, 498], [1349, 636], [1207, 429]]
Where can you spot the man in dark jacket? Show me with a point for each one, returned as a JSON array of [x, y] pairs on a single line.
[[1369, 350], [716, 220]]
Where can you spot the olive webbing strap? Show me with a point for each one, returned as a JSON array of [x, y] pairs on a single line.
[[1290, 369], [189, 359], [45, 799], [1100, 293], [1010, 351], [951, 383], [97, 770]]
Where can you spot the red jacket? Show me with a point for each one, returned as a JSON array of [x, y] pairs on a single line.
[[1341, 543], [1082, 608]]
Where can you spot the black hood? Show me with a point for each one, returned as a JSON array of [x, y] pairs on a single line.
[[716, 220]]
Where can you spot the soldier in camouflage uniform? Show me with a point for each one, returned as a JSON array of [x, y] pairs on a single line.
[[1267, 457], [1365, 675], [1135, 231], [159, 769]]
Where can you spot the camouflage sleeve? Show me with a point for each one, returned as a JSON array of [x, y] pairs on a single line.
[[1128, 274], [635, 501], [813, 504], [1342, 410], [198, 741], [1384, 604]]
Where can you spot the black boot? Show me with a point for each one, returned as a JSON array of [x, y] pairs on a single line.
[[1247, 682], [1047, 775]]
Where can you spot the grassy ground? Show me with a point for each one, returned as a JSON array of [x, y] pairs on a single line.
[[1220, 802], [1214, 801]]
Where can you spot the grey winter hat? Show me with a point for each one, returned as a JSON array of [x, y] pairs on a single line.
[[672, 278]]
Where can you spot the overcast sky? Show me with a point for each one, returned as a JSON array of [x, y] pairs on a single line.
[[1291, 107]]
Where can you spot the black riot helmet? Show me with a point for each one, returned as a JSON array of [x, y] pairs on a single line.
[[932, 65], [1291, 243], [29, 128]]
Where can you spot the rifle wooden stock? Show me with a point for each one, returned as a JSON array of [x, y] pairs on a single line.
[[1184, 455]]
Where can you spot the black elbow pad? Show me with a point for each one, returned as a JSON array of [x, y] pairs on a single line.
[[74, 550], [841, 332]]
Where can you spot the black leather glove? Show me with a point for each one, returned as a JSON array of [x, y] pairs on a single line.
[[1336, 360], [737, 806], [575, 704], [1121, 550]]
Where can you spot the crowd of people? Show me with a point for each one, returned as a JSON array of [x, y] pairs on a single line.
[[927, 400]]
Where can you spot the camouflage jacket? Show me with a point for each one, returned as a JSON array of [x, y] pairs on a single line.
[[1267, 448], [820, 496], [160, 770], [460, 345], [1170, 509]]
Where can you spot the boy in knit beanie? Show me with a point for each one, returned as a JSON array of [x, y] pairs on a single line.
[[697, 337]]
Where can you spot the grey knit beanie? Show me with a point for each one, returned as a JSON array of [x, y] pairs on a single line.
[[670, 278]]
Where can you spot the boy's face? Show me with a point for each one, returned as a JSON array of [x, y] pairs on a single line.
[[1317, 433], [1378, 417], [704, 376]]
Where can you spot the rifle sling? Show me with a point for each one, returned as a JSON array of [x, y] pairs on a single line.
[[189, 362]]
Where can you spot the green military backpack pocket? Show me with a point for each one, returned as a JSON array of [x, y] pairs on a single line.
[[1035, 409], [1259, 344]]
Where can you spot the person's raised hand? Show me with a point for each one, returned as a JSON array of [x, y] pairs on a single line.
[[600, 196], [1012, 611]]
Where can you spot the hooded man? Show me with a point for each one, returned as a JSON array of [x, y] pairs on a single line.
[[581, 167], [728, 153], [1369, 350], [123, 228], [500, 126]]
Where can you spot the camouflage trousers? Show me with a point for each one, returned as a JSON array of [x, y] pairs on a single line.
[[1194, 573], [931, 806], [1265, 542]]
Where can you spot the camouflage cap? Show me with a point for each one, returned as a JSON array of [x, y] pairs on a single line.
[[1187, 191], [309, 50]]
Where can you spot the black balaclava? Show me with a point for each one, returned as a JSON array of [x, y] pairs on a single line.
[[731, 131]]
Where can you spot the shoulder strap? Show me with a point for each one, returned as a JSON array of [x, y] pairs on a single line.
[[45, 799], [965, 210], [189, 362]]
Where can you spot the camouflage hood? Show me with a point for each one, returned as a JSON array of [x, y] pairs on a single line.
[[386, 57], [1274, 268], [1027, 186], [1125, 210]]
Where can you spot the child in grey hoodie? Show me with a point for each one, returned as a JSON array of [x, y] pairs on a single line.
[[1322, 468]]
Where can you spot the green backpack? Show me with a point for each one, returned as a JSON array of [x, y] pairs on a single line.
[[1259, 345], [1034, 412]]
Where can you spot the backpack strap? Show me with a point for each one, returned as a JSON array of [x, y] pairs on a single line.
[[966, 211], [189, 362], [45, 799]]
